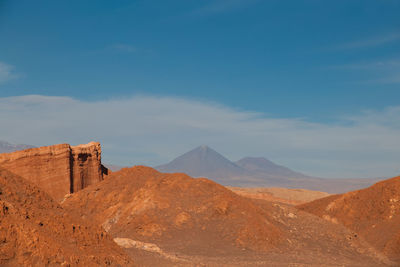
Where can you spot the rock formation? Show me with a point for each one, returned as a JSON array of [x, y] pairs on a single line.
[[58, 169], [132, 202], [374, 213], [36, 231], [174, 220]]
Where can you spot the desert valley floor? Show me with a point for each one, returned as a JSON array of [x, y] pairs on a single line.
[[59, 206]]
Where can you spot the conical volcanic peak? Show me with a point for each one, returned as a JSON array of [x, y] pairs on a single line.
[[258, 162], [203, 161]]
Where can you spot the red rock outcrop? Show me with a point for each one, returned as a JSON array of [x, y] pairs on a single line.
[[174, 220], [36, 231], [58, 169], [374, 213], [144, 204]]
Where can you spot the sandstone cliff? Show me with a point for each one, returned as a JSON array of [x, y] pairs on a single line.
[[58, 169]]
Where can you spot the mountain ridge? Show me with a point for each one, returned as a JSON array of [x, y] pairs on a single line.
[[204, 161], [261, 164], [6, 147]]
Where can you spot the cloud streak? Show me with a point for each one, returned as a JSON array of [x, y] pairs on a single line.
[[6, 72], [382, 72], [152, 130], [222, 6], [125, 48], [371, 42]]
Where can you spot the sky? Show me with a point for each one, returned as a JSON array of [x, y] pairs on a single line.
[[313, 85]]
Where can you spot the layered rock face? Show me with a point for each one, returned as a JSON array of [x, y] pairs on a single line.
[[58, 169], [86, 167]]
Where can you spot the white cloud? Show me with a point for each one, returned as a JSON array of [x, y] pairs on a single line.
[[6, 72], [371, 42], [153, 130]]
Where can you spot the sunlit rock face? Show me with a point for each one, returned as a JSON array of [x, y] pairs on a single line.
[[58, 169]]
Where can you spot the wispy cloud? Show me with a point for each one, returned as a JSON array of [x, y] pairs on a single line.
[[380, 72], [153, 130], [126, 48], [222, 6], [6, 72], [374, 65], [391, 79], [371, 42]]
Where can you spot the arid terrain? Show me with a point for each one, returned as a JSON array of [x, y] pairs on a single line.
[[277, 194], [139, 216], [37, 231], [185, 221], [373, 212], [199, 133]]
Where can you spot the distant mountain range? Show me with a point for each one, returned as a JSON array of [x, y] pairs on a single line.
[[113, 168], [6, 147], [203, 161]]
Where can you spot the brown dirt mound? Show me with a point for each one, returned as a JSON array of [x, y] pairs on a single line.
[[36, 231], [175, 220], [373, 212], [277, 194], [189, 214]]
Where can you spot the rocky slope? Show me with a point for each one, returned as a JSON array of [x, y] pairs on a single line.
[[58, 169], [36, 231], [175, 220], [151, 206], [374, 213]]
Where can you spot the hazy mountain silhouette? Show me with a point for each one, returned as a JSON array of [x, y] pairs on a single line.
[[205, 162], [264, 166], [254, 172], [6, 147]]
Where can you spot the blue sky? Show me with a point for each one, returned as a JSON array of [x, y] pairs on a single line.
[[324, 62]]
